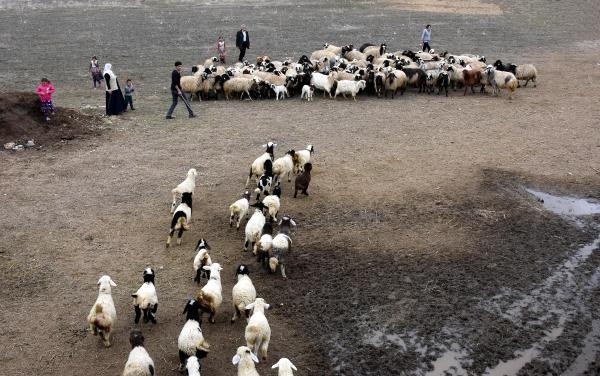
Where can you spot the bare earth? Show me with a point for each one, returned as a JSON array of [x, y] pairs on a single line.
[[418, 251]]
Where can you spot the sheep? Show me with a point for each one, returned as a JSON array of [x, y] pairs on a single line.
[[103, 314], [323, 82], [471, 78], [243, 292], [284, 165], [264, 183], [526, 72], [442, 82], [263, 247], [280, 91], [375, 51], [281, 244], [307, 92], [210, 61], [181, 218], [254, 226], [210, 296], [245, 359], [193, 366], [239, 209], [258, 331], [319, 54], [415, 77], [275, 78], [345, 75], [209, 83], [285, 367], [352, 54], [349, 87], [257, 167], [240, 85], [330, 47], [272, 202], [303, 180], [145, 298], [303, 158], [191, 342], [188, 185], [201, 260], [379, 83], [456, 76], [139, 362], [498, 79], [191, 84], [395, 80]]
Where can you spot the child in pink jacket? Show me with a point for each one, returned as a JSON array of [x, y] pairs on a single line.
[[44, 91]]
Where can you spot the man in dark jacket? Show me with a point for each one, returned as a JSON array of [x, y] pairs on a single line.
[[176, 91], [242, 41]]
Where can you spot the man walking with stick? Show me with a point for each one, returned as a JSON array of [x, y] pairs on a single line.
[[176, 92], [242, 41]]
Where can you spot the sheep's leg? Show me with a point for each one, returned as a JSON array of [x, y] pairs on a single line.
[[153, 313], [198, 276], [93, 329], [236, 314], [180, 235], [182, 360], [472, 90], [138, 313], [263, 349], [247, 313], [231, 220], [282, 266], [211, 318], [289, 176], [169, 238], [246, 245], [247, 92], [254, 247], [238, 222], [305, 192], [106, 338], [465, 93], [295, 192], [146, 318], [526, 82]]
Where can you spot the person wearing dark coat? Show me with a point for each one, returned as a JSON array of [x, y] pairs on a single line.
[[115, 103], [242, 41]]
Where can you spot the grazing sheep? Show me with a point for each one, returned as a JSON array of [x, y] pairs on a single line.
[[263, 247], [323, 82], [145, 298], [201, 260], [379, 83], [239, 209], [181, 218], [272, 202], [191, 342], [245, 359], [284, 165], [281, 244], [349, 87], [498, 79], [258, 331], [395, 80], [285, 367], [254, 226], [303, 180], [103, 314], [188, 185], [193, 366], [139, 362], [210, 296], [264, 183], [257, 168], [303, 158], [243, 292], [280, 91]]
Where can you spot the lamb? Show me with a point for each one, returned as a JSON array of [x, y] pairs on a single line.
[[303, 157], [257, 167], [103, 314], [395, 80], [254, 226], [243, 293], [191, 342], [303, 180], [264, 183], [280, 91], [201, 260], [193, 366], [239, 209], [210, 296], [240, 85], [498, 79], [258, 331], [349, 87], [281, 244], [245, 359], [323, 82], [181, 218], [263, 247], [188, 185], [139, 362], [285, 367], [284, 165], [145, 298], [272, 202], [307, 92]]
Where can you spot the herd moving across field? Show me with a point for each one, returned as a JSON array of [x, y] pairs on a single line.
[[270, 252], [348, 71]]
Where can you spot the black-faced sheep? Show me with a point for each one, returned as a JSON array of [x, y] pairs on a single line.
[[139, 362], [145, 298], [181, 218], [191, 342]]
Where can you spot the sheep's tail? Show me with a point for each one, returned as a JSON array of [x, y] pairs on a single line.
[[205, 301], [249, 176], [101, 320]]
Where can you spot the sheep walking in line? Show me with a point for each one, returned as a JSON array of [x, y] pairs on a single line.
[[257, 167], [243, 292], [254, 226], [245, 359], [201, 260], [181, 218], [264, 183], [285, 367], [186, 186], [239, 210], [210, 296], [193, 366], [284, 165], [273, 203], [139, 362], [145, 298], [103, 314], [281, 244], [263, 247], [258, 331], [191, 342], [303, 158]]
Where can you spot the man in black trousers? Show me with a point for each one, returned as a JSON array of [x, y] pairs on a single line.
[[176, 91], [242, 41]]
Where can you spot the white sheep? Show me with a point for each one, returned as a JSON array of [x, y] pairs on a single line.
[[239, 85], [275, 78], [201, 260], [284, 165], [273, 203], [257, 168], [181, 218], [526, 72], [281, 244], [191, 84], [254, 226], [191, 342], [145, 298], [303, 158], [245, 359], [307, 92], [188, 185], [139, 362], [193, 366], [280, 91], [243, 292], [285, 367], [330, 47], [319, 54], [499, 79], [239, 209], [258, 331], [355, 55], [103, 314], [375, 51], [323, 82], [210, 296], [210, 61], [349, 87], [263, 247]]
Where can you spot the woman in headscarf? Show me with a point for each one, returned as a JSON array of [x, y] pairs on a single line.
[[115, 103]]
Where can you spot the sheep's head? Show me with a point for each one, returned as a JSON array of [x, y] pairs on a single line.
[[136, 338], [325, 46], [215, 270], [105, 283], [284, 364], [242, 270], [202, 243], [149, 275], [244, 353], [192, 309], [258, 304]]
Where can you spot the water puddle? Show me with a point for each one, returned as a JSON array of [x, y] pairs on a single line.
[[565, 205], [451, 362]]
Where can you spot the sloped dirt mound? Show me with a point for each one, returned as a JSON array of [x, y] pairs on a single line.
[[21, 120]]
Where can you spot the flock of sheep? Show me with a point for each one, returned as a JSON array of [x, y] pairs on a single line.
[[347, 71], [270, 251]]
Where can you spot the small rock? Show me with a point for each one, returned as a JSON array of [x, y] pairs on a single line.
[[9, 145]]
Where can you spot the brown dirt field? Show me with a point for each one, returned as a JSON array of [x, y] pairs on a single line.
[[418, 236]]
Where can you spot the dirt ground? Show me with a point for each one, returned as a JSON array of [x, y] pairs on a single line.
[[418, 252]]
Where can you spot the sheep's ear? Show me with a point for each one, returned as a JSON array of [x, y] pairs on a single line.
[[292, 222], [267, 306], [293, 366], [250, 306], [276, 365], [254, 358], [99, 281], [112, 283], [206, 267], [235, 360], [220, 268]]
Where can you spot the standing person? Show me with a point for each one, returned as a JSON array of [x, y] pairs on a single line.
[[242, 41], [115, 103], [426, 38], [44, 91], [221, 49], [129, 89], [176, 91], [95, 71]]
